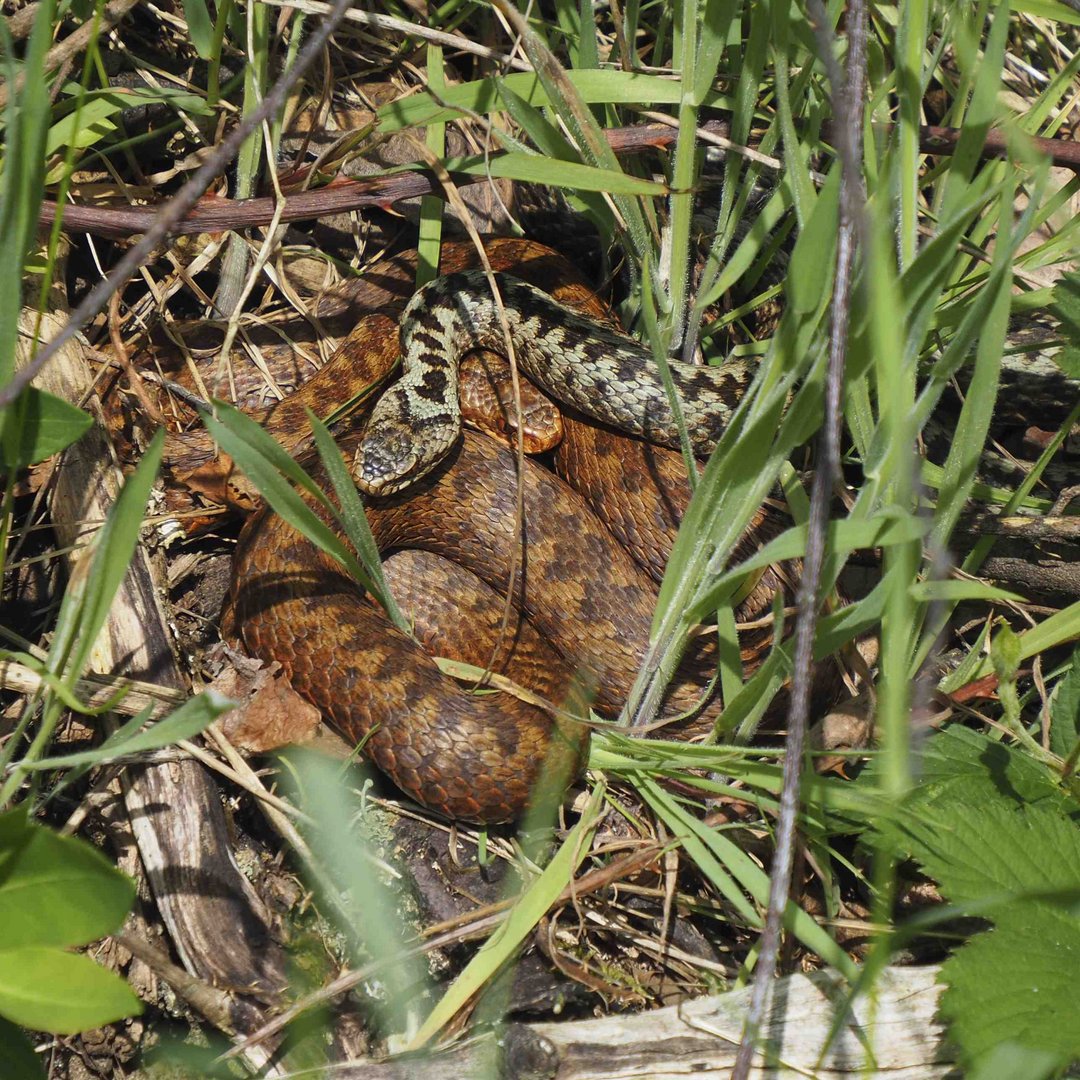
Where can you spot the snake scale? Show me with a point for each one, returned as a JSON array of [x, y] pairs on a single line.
[[589, 597]]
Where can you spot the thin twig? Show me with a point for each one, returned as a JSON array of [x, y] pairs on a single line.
[[173, 211], [848, 106]]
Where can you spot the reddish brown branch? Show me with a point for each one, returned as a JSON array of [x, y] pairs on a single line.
[[215, 214]]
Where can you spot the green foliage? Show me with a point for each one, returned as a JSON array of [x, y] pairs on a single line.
[[39, 425], [57, 892], [992, 827], [274, 472], [21, 182], [945, 248], [200, 27], [50, 990]]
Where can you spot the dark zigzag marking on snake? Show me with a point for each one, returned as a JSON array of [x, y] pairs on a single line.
[[610, 378]]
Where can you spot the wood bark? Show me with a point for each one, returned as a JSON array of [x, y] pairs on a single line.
[[894, 1033], [218, 925]]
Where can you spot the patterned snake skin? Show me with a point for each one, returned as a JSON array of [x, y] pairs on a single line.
[[589, 598], [579, 362]]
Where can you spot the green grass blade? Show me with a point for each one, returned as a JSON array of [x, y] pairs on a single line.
[[354, 520], [531, 907]]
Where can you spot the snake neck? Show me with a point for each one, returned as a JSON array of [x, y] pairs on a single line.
[[577, 361]]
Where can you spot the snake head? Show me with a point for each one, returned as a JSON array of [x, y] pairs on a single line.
[[386, 460]]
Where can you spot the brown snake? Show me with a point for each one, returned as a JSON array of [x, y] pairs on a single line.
[[470, 756]]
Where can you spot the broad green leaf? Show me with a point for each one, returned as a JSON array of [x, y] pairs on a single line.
[[55, 890], [997, 834], [20, 1061], [63, 993], [1017, 983], [1065, 307], [37, 426], [962, 766], [1009, 1061], [1068, 359]]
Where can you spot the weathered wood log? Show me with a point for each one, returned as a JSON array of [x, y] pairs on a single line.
[[218, 925], [892, 1033]]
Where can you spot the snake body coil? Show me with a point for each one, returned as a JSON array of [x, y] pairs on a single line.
[[477, 757], [607, 376]]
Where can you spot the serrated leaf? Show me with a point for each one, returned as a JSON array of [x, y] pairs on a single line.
[[1065, 305], [63, 993], [20, 1061], [1068, 359], [55, 890], [968, 768], [997, 848], [1017, 983], [37, 426], [1017, 864], [1065, 710]]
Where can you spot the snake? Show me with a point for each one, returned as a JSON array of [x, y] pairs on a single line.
[[581, 363], [583, 596]]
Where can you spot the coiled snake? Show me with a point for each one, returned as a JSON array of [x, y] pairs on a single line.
[[477, 757]]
